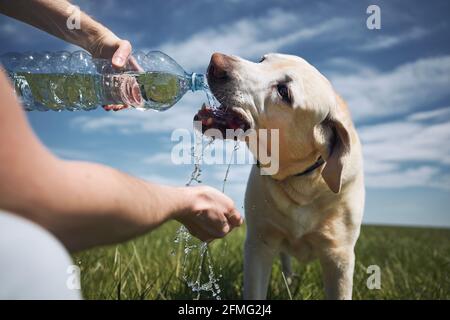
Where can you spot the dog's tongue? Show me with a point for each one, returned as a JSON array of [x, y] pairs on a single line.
[[220, 118]]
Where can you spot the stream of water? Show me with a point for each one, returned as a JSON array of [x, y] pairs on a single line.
[[193, 257]]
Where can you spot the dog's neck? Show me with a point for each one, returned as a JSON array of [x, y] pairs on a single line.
[[308, 170], [314, 160]]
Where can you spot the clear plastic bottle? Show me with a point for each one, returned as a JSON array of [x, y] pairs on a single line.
[[76, 81]]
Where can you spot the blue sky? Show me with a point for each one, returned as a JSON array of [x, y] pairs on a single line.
[[396, 81]]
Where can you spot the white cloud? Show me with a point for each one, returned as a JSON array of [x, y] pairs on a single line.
[[438, 114], [395, 152], [371, 93], [417, 177], [9, 28], [388, 41], [20, 34], [249, 37], [374, 167], [162, 158]]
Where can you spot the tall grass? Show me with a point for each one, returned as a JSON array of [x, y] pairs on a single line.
[[414, 263]]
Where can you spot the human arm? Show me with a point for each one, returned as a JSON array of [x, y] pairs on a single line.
[[86, 204], [51, 16]]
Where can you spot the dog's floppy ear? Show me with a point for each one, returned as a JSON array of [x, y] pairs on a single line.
[[340, 146]]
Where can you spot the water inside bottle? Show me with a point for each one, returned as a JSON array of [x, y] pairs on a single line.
[[161, 90], [59, 91]]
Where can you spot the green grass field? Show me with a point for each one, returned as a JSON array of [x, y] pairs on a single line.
[[414, 262]]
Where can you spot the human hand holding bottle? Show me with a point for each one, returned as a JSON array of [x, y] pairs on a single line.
[[52, 16], [108, 46]]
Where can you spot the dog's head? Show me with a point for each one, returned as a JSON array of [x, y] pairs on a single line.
[[284, 92]]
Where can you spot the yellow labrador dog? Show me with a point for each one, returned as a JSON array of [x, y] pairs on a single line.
[[313, 206]]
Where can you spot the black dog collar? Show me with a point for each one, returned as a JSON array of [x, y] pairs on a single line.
[[310, 169]]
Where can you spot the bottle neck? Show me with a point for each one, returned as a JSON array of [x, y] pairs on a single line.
[[198, 81]]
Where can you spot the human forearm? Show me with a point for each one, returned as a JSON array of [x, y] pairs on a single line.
[[52, 15], [86, 204], [83, 204]]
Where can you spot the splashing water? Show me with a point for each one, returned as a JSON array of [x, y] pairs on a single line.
[[227, 172], [199, 255], [189, 249], [211, 99]]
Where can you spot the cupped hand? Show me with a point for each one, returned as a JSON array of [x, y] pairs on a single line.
[[210, 214]]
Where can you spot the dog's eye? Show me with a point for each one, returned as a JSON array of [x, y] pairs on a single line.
[[262, 59], [283, 91]]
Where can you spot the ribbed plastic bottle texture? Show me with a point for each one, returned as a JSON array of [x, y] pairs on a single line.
[[76, 81]]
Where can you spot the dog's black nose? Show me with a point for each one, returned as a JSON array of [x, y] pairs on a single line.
[[219, 66]]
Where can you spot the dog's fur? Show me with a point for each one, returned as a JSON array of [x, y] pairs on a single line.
[[317, 215]]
